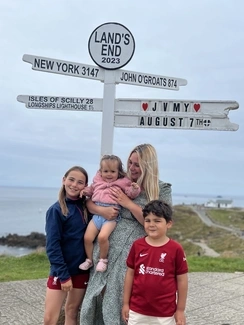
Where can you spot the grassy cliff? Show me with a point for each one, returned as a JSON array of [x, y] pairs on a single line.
[[188, 229]]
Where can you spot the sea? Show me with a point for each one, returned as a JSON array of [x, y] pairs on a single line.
[[23, 210]]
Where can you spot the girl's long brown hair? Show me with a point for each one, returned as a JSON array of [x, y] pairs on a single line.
[[62, 193]]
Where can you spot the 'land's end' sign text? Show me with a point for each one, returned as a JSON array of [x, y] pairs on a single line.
[[111, 46]]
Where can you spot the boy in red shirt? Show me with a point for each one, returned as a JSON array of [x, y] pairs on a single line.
[[156, 281]]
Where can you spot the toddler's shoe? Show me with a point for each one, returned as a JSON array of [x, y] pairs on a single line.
[[102, 265], [86, 265]]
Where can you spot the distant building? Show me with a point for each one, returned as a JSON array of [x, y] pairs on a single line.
[[219, 203]]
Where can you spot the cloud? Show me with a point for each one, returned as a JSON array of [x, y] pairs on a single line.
[[198, 41]]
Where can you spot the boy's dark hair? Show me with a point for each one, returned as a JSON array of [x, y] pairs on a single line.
[[158, 208]]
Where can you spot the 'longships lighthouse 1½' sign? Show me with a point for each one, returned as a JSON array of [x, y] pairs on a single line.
[[111, 47]]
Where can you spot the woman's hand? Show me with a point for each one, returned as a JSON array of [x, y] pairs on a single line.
[[109, 213], [120, 197]]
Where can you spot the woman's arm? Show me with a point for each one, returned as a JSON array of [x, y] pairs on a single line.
[[165, 192], [122, 199], [108, 213]]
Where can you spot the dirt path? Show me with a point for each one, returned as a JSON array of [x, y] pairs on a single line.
[[207, 251], [200, 211]]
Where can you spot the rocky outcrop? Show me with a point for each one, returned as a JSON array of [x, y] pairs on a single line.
[[33, 240]]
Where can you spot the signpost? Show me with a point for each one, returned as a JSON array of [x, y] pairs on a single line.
[[111, 46], [147, 113], [62, 103], [74, 69], [174, 121], [177, 106], [174, 114], [149, 80]]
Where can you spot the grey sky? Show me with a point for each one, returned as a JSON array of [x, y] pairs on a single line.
[[201, 41]]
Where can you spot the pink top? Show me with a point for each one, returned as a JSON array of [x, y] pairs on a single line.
[[99, 190]]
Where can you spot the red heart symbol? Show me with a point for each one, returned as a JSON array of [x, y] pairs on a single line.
[[145, 106], [197, 107]]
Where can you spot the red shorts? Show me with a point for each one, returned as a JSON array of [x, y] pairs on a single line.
[[79, 281]]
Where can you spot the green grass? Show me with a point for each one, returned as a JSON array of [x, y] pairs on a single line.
[[215, 264], [36, 266], [29, 267], [187, 229], [227, 217], [188, 226]]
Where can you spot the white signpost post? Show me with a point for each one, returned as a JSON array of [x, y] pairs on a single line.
[[111, 46]]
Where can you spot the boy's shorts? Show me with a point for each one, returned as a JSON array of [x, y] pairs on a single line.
[[139, 319], [79, 281]]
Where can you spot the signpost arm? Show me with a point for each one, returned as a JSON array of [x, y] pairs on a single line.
[[111, 47], [108, 112]]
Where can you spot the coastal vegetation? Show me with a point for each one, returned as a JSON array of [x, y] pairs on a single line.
[[36, 266], [188, 229], [228, 217]]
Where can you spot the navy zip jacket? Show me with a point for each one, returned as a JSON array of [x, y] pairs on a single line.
[[65, 240]]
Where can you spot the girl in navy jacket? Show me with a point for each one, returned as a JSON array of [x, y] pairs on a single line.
[[66, 222]]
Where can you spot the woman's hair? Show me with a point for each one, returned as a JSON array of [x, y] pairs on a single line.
[[148, 163], [113, 158], [62, 193]]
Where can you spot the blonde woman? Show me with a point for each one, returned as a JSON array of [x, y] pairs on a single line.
[[102, 304]]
